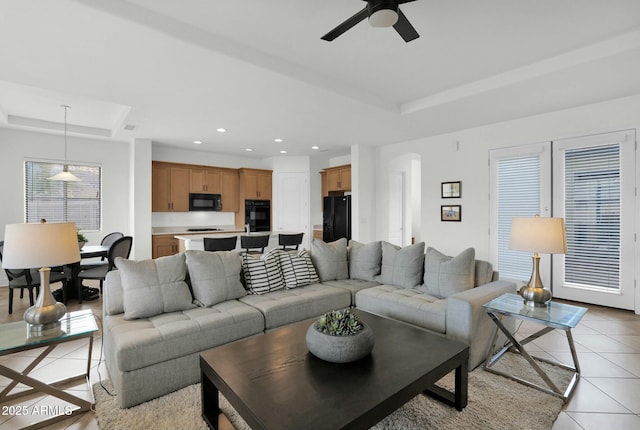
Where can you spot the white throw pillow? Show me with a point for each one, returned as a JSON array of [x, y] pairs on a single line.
[[297, 268], [153, 287], [262, 274], [444, 275], [215, 276]]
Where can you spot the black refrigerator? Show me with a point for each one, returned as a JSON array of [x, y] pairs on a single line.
[[336, 218]]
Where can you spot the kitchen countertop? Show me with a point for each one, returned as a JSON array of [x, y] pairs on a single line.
[[183, 230]]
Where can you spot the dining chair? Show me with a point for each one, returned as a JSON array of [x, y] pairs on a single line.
[[28, 279], [290, 242], [108, 240], [251, 244], [220, 243], [120, 248]]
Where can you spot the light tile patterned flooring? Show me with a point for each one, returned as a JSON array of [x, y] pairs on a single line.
[[607, 395]]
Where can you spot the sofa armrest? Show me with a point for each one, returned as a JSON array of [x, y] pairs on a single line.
[[467, 320], [113, 295]]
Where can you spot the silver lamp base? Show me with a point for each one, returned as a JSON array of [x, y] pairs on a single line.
[[534, 294], [43, 318]]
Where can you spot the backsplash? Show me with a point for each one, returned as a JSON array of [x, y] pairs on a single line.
[[191, 219]]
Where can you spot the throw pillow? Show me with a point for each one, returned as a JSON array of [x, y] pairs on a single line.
[[262, 274], [297, 268], [402, 267], [215, 276], [330, 259], [153, 287], [364, 260], [444, 275]]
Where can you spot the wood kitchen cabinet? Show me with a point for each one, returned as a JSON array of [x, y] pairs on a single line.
[[163, 245], [230, 187], [169, 187], [336, 179], [255, 184], [204, 180]]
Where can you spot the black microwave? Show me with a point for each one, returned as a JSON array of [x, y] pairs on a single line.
[[205, 202]]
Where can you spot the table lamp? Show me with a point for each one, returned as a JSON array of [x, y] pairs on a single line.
[[43, 245], [545, 235]]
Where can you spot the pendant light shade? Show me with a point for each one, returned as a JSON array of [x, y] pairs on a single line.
[[65, 175]]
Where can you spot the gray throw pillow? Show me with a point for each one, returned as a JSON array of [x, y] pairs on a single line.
[[364, 260], [330, 259], [153, 287], [444, 275], [402, 267], [215, 276]]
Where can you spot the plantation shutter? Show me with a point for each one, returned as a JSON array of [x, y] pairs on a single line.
[[592, 216], [58, 201]]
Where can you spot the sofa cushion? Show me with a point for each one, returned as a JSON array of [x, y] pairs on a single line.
[[483, 273], [262, 274], [215, 276], [144, 342], [330, 259], [364, 260], [352, 285], [402, 267], [152, 287], [297, 268], [444, 275], [288, 306], [405, 304]]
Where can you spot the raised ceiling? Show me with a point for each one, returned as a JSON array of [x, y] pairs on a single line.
[[178, 70]]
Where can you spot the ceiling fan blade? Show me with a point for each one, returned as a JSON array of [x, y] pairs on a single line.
[[404, 28], [404, 1], [355, 19]]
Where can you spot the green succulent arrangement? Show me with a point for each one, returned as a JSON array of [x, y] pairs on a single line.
[[81, 237], [339, 323]]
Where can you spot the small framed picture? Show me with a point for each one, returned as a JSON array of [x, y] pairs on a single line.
[[451, 213], [451, 190]]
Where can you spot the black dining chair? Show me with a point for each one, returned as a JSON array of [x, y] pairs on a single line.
[[220, 243], [120, 248], [251, 244], [290, 242], [108, 240], [28, 279]]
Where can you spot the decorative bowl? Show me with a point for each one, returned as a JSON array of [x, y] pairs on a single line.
[[340, 349]]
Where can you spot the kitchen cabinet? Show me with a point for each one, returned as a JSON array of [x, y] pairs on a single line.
[[163, 245], [204, 180], [229, 190], [169, 187], [338, 178], [255, 184]]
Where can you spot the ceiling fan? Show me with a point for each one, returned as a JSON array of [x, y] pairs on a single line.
[[381, 13]]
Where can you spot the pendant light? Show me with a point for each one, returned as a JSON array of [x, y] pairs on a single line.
[[65, 175]]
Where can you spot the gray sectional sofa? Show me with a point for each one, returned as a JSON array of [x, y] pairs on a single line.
[[160, 314]]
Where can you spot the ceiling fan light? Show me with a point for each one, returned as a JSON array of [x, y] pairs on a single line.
[[383, 18]]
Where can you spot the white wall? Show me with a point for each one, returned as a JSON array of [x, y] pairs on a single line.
[[16, 146], [363, 194], [140, 198]]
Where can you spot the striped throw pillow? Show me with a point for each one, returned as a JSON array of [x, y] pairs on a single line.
[[262, 274], [297, 268]]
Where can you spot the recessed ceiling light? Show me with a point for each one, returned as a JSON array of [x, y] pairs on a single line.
[[221, 130], [248, 149], [315, 147], [283, 152], [197, 142], [277, 140]]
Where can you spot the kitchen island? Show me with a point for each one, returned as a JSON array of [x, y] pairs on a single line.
[[196, 241]]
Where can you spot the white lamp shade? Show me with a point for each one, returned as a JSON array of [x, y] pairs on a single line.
[[545, 235], [65, 176], [383, 18], [32, 245]]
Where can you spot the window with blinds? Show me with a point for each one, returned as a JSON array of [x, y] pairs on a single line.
[[518, 195], [592, 216], [58, 201]]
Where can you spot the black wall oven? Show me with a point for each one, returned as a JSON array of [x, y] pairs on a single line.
[[257, 215]]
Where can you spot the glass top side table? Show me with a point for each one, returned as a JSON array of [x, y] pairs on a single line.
[[14, 338], [556, 316]]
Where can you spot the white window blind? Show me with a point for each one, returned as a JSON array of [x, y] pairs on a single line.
[[58, 201], [592, 216], [518, 195]]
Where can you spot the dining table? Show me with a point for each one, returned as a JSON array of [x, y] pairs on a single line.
[[73, 287]]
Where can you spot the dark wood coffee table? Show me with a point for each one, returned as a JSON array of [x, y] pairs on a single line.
[[274, 382]]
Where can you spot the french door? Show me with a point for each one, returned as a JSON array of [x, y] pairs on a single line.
[[591, 181]]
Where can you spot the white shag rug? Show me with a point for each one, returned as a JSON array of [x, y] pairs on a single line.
[[495, 403]]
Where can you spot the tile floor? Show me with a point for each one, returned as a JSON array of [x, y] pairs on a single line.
[[607, 395]]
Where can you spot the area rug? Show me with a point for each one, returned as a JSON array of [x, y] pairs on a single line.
[[495, 403]]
